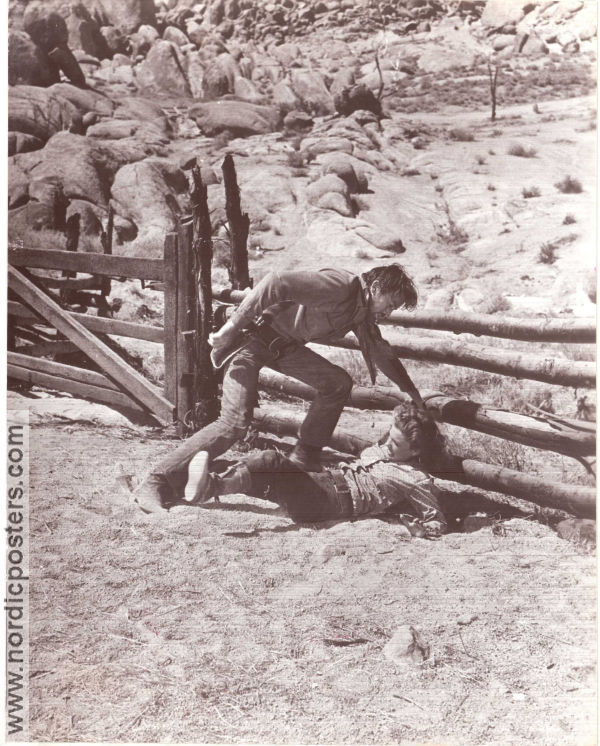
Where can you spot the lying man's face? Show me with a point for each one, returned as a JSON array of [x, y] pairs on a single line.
[[398, 446]]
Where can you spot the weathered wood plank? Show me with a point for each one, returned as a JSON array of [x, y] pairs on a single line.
[[170, 336], [93, 264], [129, 380], [580, 331], [84, 390], [239, 226], [61, 370], [186, 322], [99, 324], [548, 369]]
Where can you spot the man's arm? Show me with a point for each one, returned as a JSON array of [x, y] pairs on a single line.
[[384, 357]]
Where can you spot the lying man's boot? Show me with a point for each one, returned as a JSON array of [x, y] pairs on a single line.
[[306, 458], [197, 481], [151, 494]]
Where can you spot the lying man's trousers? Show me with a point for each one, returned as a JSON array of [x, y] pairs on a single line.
[[308, 497]]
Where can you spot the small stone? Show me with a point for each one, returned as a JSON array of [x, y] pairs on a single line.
[[406, 648]]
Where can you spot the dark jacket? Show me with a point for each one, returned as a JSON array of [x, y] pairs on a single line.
[[320, 307]]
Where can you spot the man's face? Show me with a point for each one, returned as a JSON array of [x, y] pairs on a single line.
[[382, 304], [398, 446]]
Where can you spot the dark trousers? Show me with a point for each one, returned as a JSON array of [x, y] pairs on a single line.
[[308, 497], [240, 396]]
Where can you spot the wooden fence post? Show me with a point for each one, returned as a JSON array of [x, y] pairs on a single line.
[[107, 240], [170, 318], [239, 226], [186, 323], [206, 401]]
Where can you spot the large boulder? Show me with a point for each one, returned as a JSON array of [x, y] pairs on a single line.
[[126, 15], [219, 76], [499, 13], [27, 64], [238, 117], [309, 86], [162, 70], [78, 165], [357, 98], [38, 112], [147, 193]]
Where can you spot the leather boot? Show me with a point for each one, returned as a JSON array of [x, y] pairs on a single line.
[[306, 458], [152, 493]]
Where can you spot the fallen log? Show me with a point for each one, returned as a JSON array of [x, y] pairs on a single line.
[[575, 499], [528, 430], [507, 363], [568, 331]]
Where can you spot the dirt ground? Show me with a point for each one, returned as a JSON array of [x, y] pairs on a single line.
[[230, 624]]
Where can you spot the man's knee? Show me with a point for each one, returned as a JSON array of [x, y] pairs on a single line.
[[339, 385], [266, 461]]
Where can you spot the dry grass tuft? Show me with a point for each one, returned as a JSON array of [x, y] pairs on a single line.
[[569, 185], [461, 135], [529, 192], [521, 151]]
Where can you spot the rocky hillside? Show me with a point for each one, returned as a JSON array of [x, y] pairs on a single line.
[[360, 130]]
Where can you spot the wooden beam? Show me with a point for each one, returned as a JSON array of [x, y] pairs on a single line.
[[537, 432], [575, 499], [504, 362], [239, 226], [206, 400], [93, 264], [186, 322], [99, 324], [86, 282], [580, 331], [129, 380], [61, 370], [48, 348], [77, 388], [170, 336]]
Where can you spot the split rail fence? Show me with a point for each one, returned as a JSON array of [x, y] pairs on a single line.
[[189, 397]]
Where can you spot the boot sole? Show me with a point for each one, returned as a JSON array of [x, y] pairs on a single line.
[[197, 478]]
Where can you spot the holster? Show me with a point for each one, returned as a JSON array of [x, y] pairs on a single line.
[[261, 329]]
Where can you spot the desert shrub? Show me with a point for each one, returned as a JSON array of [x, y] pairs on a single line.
[[461, 135], [569, 185], [480, 159], [569, 219], [491, 188], [521, 151], [547, 253], [495, 303], [529, 192]]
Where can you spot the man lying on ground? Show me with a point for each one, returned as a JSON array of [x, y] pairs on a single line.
[[394, 472]]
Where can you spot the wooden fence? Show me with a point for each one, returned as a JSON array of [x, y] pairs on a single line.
[[190, 391]]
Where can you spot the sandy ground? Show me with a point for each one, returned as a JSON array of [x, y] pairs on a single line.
[[230, 624]]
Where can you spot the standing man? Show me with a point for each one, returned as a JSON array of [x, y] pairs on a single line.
[[271, 328]]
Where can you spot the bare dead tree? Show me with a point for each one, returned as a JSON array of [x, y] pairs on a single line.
[[493, 87]]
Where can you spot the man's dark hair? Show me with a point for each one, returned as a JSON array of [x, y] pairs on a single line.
[[425, 437], [393, 279], [422, 433]]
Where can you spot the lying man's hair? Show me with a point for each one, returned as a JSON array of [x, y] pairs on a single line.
[[423, 435], [393, 279]]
